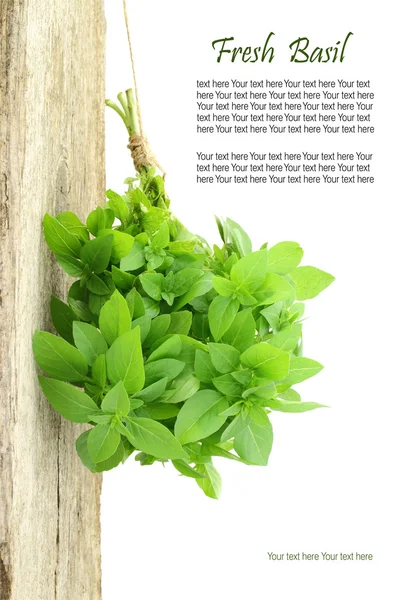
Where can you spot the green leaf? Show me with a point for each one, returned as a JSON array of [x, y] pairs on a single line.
[[89, 341], [135, 259], [100, 219], [310, 282], [171, 348], [284, 257], [115, 319], [144, 324], [153, 391], [224, 287], [153, 219], [96, 253], [118, 205], [104, 465], [204, 369], [97, 286], [225, 358], [227, 385], [267, 361], [200, 416], [73, 224], [185, 388], [250, 271], [161, 238], [121, 246], [287, 339], [185, 279], [80, 309], [154, 438], [258, 415], [58, 358], [159, 328], [70, 265], [135, 304], [159, 411], [71, 403], [214, 450], [62, 318], [166, 367], [272, 314], [211, 484], [99, 371], [199, 288], [274, 289], [241, 333], [180, 322], [102, 442], [221, 314], [122, 279], [235, 427], [153, 284], [238, 237], [301, 369], [59, 239], [125, 361], [186, 470], [116, 400], [292, 407], [254, 443]]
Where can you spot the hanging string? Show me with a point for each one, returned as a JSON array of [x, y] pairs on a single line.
[[138, 144]]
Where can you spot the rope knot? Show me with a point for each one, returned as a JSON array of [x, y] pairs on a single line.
[[141, 153]]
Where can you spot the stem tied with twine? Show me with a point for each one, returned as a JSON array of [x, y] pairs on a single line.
[[130, 113]]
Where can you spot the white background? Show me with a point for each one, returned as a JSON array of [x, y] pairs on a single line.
[[335, 477]]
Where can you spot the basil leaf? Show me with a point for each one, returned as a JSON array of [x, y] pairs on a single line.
[[135, 304], [254, 443], [242, 331], [121, 245], [102, 442], [159, 327], [122, 279], [221, 314], [310, 281], [267, 361], [117, 205], [99, 371], [125, 361], [159, 411], [224, 287], [200, 416], [211, 484], [116, 400], [238, 237], [301, 369], [154, 438], [115, 319], [96, 253], [144, 324], [62, 319], [199, 288], [225, 358], [227, 385], [153, 284], [89, 341], [250, 271], [184, 389], [171, 348], [58, 358], [284, 257], [100, 219], [180, 322], [292, 407], [70, 265], [166, 367], [135, 259], [153, 391], [287, 339], [204, 369], [73, 224], [59, 239], [186, 470], [67, 400]]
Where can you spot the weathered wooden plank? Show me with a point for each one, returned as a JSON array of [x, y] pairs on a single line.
[[51, 159]]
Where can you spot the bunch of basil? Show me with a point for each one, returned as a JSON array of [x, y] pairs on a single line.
[[182, 351]]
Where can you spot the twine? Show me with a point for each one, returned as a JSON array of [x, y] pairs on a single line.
[[141, 153]]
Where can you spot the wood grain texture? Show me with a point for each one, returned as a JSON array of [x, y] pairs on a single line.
[[51, 159]]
